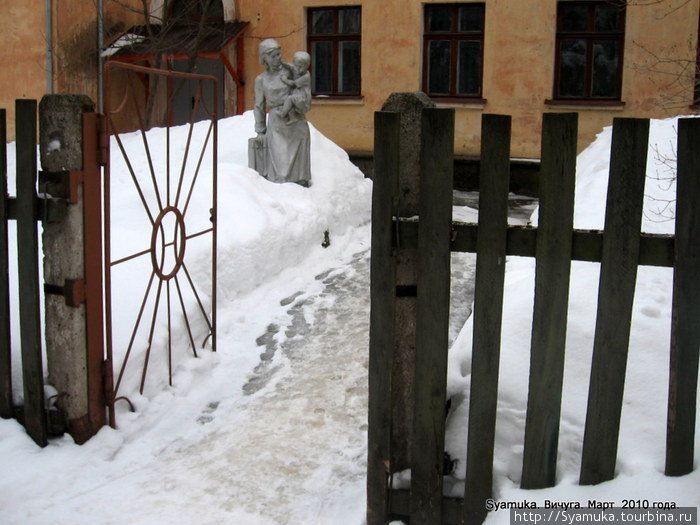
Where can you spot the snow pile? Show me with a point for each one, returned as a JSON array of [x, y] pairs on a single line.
[[641, 449]]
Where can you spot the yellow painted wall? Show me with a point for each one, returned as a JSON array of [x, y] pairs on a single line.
[[518, 61], [518, 65]]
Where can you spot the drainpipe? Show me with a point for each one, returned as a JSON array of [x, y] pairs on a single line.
[[49, 47], [100, 61]]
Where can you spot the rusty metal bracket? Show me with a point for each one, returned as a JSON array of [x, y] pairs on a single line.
[[62, 184], [73, 290]]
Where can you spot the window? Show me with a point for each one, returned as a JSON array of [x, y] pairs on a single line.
[[590, 39], [184, 10], [453, 50], [334, 45]]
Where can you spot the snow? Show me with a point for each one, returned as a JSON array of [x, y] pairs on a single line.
[[272, 427], [126, 40]]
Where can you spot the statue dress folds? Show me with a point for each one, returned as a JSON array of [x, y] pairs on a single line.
[[286, 146]]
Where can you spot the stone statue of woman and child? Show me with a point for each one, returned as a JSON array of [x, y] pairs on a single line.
[[281, 151]]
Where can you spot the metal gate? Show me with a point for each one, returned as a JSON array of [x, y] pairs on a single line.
[[160, 226]]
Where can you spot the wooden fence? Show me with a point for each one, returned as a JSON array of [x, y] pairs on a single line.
[[24, 209], [620, 249]]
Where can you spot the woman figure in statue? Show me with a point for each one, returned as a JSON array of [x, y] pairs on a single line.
[[284, 145]]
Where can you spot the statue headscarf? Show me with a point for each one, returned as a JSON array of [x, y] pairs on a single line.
[[266, 46]]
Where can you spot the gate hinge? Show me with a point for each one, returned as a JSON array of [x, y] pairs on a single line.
[[73, 291], [102, 140]]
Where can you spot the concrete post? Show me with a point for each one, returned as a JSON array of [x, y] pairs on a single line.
[[61, 148], [410, 106]]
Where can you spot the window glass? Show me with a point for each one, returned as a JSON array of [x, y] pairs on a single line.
[[471, 18], [321, 69], [322, 22], [573, 17], [349, 21], [439, 67], [440, 18], [605, 68], [349, 67], [607, 18], [572, 68], [469, 68]]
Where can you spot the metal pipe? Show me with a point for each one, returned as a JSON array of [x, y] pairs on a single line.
[[100, 60], [48, 7]]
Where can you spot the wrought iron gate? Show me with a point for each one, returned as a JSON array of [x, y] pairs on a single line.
[[160, 225]]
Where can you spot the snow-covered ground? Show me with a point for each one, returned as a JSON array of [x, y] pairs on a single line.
[[272, 427]]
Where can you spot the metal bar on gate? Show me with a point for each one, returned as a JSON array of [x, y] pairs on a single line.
[[110, 392], [5, 336], [92, 225], [28, 270], [214, 204]]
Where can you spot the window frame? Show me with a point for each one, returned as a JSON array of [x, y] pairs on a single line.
[[334, 38], [454, 36], [589, 35]]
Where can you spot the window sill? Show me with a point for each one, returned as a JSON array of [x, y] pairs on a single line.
[[463, 103], [328, 100], [608, 105]]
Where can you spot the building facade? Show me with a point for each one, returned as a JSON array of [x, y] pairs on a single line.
[[600, 58]]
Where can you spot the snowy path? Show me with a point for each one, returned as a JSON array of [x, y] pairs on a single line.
[[287, 445]]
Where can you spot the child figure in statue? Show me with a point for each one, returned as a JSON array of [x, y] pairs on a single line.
[[299, 100]]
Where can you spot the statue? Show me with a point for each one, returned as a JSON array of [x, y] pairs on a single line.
[[281, 150]]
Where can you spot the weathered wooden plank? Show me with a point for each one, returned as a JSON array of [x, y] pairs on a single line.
[[618, 276], [587, 245], [553, 268], [5, 339], [381, 332], [400, 507], [432, 324], [488, 309], [685, 327], [28, 271]]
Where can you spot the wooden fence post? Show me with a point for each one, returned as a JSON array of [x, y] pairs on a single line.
[[554, 240], [381, 331], [488, 311], [5, 339], [618, 275], [685, 327], [28, 270], [432, 323]]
